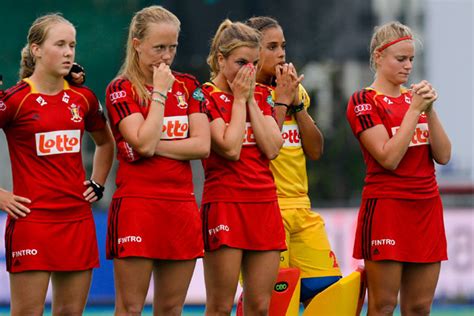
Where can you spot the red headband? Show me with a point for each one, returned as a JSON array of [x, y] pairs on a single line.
[[394, 42]]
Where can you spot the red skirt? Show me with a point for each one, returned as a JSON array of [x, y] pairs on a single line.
[[248, 226], [58, 246], [155, 229], [401, 230]]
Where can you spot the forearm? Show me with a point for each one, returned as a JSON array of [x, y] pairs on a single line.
[[231, 139], [184, 149], [396, 147], [267, 134], [149, 133], [439, 140], [311, 137], [103, 157], [280, 114]]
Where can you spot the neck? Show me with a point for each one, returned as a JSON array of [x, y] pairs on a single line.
[[264, 78], [47, 83], [386, 87], [221, 82]]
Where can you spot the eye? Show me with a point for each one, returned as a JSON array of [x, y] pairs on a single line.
[[241, 62], [159, 48], [272, 46]]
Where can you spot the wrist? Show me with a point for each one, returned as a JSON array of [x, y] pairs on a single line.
[[297, 108]]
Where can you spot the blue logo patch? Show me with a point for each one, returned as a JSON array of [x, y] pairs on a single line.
[[270, 100], [198, 95]]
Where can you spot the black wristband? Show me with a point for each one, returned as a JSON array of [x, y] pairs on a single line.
[[298, 108], [281, 104], [98, 189]]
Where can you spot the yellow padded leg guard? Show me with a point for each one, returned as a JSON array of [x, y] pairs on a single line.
[[345, 297]]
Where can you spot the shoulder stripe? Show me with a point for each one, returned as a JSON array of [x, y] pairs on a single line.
[[13, 90]]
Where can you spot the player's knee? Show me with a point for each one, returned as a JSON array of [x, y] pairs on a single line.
[[26, 310], [310, 287], [219, 308], [418, 308], [169, 309], [130, 309], [68, 310], [385, 306], [256, 306]]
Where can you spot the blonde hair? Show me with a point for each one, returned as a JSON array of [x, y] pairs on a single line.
[[230, 36], [138, 29], [384, 34], [37, 35]]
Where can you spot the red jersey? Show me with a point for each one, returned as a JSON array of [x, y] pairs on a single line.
[[414, 177], [249, 179], [154, 177], [44, 135]]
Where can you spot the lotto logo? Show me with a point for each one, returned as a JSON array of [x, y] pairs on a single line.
[[249, 137], [58, 142], [114, 96], [362, 108], [291, 135], [175, 127], [421, 136]]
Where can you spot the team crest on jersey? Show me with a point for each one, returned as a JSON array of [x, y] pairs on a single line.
[[407, 99], [198, 95], [3, 106], [41, 101], [182, 104], [270, 101], [65, 98], [76, 117]]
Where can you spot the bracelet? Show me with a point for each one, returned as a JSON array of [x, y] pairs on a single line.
[[158, 100], [281, 104], [164, 96], [98, 189]]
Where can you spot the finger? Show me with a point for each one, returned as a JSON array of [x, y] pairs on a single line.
[[15, 211], [9, 212], [87, 191], [91, 197], [21, 208], [21, 199], [300, 79]]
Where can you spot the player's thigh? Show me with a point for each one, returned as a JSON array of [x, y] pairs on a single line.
[[221, 274], [259, 271], [310, 250], [70, 291], [171, 282], [383, 282], [28, 292], [132, 279], [418, 287]]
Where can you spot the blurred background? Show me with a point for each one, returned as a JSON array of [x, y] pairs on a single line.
[[328, 42]]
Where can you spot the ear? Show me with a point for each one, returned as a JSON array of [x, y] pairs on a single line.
[[220, 60], [377, 57], [136, 44], [35, 50]]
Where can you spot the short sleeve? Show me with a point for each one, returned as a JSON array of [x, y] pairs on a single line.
[[264, 99], [95, 118], [362, 112], [197, 102], [6, 113], [120, 101]]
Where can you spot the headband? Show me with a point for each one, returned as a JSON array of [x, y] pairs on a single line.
[[394, 42]]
